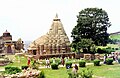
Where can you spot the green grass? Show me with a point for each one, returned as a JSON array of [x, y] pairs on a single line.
[[17, 61], [60, 73], [115, 36], [109, 45], [106, 71]]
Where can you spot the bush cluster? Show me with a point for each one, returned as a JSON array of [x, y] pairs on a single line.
[[96, 62], [12, 70], [82, 63], [54, 65], [109, 61], [106, 50], [41, 75], [86, 73], [68, 64], [24, 67]]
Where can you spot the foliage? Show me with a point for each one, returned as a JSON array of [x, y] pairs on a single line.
[[114, 38], [109, 61], [71, 75], [96, 62], [12, 70], [86, 73], [82, 63], [106, 50], [92, 24], [99, 50], [24, 67], [35, 65], [119, 60], [41, 75], [54, 65], [86, 45], [68, 64], [57, 60]]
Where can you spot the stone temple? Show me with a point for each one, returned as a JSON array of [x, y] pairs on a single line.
[[55, 41]]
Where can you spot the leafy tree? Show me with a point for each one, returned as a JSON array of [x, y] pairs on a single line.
[[92, 24]]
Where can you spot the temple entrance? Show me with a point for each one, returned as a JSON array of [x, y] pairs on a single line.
[[9, 50], [34, 52]]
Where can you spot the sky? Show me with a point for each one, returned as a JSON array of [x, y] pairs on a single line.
[[30, 19]]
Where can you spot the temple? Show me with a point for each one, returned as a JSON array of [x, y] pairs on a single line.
[[55, 41], [8, 46]]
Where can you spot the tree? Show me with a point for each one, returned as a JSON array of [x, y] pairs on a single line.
[[92, 24]]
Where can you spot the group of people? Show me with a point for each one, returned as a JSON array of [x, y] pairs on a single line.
[[63, 61], [113, 55]]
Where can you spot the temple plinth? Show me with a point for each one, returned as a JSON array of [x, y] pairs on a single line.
[[55, 41]]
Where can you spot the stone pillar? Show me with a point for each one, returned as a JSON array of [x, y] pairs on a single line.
[[41, 49], [58, 49], [51, 49]]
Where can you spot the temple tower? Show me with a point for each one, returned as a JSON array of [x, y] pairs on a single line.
[[55, 41]]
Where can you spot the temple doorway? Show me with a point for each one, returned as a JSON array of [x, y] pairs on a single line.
[[9, 50]]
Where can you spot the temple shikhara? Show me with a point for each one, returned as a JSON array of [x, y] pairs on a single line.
[[55, 41]]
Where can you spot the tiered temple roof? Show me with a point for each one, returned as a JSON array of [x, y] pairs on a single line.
[[55, 37]]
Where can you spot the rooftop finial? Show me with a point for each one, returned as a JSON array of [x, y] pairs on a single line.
[[6, 30], [56, 15], [56, 18]]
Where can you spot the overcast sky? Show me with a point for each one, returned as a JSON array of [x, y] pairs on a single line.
[[30, 19]]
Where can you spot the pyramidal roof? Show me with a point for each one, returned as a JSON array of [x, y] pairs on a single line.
[[56, 35]]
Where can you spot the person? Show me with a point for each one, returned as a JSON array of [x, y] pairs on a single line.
[[47, 63], [28, 63], [53, 60], [63, 61], [116, 57], [105, 57], [75, 69]]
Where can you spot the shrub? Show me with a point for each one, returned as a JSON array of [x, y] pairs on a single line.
[[24, 67], [41, 75], [86, 73], [109, 61], [12, 70], [82, 63], [57, 60], [54, 65], [119, 60], [96, 62], [68, 64]]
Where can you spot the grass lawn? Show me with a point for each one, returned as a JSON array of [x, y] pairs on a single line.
[[104, 71], [107, 71], [60, 73], [17, 61]]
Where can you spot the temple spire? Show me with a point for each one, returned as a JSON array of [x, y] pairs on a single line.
[[56, 18]]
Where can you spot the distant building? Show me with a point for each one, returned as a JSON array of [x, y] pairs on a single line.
[[55, 41], [7, 46]]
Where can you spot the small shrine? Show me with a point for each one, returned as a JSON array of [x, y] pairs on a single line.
[[8, 46], [55, 41]]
